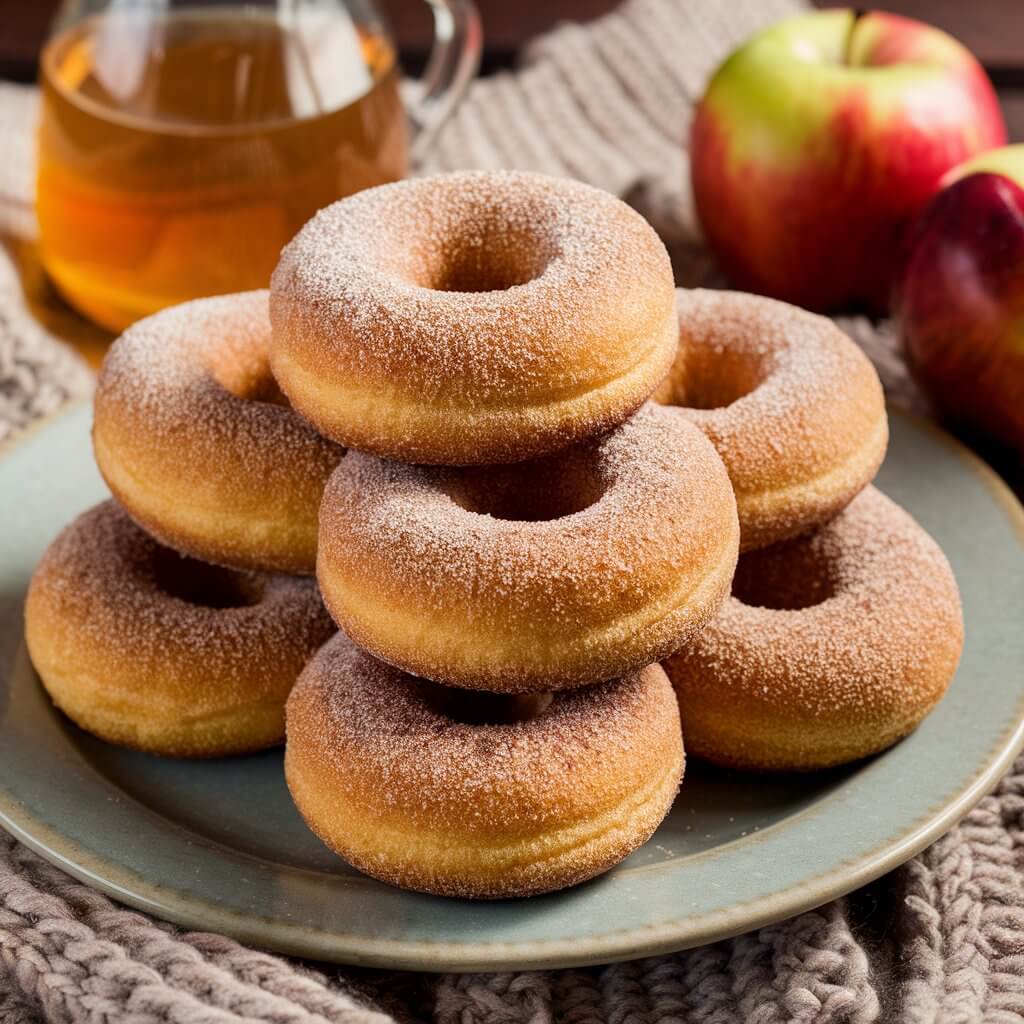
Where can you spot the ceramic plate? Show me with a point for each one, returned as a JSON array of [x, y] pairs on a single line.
[[217, 845]]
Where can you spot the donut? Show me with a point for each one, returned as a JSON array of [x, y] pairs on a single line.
[[478, 795], [543, 575], [832, 646], [196, 442], [793, 406], [476, 317], [150, 650]]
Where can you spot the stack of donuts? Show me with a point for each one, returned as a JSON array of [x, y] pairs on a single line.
[[521, 467]]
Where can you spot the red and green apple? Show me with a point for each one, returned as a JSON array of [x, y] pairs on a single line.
[[819, 141], [960, 301]]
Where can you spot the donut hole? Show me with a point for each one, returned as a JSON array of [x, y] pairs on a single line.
[[705, 379], [255, 387], [266, 389], [479, 269], [245, 372], [206, 586], [784, 577], [530, 492], [480, 250], [474, 707]]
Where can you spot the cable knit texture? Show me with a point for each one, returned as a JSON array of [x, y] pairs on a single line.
[[939, 942]]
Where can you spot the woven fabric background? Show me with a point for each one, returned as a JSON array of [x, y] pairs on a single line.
[[941, 941]]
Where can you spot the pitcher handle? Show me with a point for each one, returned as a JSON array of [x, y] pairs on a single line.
[[454, 61]]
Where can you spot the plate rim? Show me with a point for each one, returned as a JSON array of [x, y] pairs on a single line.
[[132, 889]]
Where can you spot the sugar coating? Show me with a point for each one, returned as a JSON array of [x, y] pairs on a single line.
[[652, 471], [99, 585], [415, 796], [184, 382], [657, 517], [790, 402], [198, 445], [385, 284], [860, 639], [371, 717]]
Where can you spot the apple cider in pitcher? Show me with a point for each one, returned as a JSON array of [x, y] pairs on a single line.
[[179, 153]]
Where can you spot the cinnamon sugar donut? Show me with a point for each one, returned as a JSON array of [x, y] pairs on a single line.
[[150, 650], [477, 317], [793, 406], [542, 575], [473, 795], [832, 647], [195, 441]]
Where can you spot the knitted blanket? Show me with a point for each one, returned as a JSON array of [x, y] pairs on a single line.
[[940, 940]]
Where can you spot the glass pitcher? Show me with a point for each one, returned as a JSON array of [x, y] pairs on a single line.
[[181, 145]]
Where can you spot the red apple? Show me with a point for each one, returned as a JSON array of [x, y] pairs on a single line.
[[819, 142], [960, 301]]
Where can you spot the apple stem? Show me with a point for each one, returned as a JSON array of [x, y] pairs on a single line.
[[858, 13]]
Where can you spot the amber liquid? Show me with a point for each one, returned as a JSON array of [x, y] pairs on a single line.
[[178, 155]]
